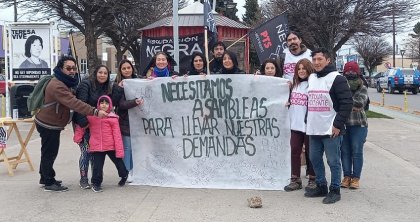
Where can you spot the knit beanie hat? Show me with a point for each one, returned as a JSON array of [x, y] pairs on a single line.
[[351, 66]]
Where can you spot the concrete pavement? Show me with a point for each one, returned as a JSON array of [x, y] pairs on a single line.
[[389, 190]]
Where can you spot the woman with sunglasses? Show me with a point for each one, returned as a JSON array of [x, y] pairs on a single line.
[[356, 129], [89, 91]]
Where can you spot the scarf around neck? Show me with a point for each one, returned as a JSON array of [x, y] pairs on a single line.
[[69, 81], [161, 72]]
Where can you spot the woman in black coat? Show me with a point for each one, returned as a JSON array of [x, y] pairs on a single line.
[[198, 64], [230, 64], [89, 91]]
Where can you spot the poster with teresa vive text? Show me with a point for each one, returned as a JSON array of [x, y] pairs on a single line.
[[31, 52], [215, 131]]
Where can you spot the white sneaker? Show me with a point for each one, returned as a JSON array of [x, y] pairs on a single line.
[[130, 177]]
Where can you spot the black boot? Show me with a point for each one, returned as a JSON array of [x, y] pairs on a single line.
[[122, 181], [318, 191], [333, 196]]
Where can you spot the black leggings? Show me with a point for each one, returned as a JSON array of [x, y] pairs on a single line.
[[98, 159]]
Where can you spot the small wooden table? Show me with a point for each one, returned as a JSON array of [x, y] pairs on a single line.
[[12, 162]]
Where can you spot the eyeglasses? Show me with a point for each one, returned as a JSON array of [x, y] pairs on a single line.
[[69, 68]]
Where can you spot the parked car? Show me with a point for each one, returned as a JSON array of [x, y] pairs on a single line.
[[399, 79], [374, 79], [2, 84]]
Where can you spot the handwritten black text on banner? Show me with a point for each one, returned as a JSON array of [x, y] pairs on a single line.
[[218, 131]]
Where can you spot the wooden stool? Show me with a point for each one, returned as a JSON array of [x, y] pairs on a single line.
[[12, 162]]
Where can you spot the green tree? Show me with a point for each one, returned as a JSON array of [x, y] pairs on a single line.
[[252, 14]]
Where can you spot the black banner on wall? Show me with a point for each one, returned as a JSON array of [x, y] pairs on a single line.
[[187, 46]]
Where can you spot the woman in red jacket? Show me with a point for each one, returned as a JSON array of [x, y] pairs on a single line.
[[105, 139]]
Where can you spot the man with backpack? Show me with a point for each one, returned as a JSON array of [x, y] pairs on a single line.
[[51, 120]]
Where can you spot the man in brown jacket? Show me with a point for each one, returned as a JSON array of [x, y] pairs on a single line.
[[51, 120]]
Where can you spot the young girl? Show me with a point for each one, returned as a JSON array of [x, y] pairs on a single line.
[[297, 113], [105, 139]]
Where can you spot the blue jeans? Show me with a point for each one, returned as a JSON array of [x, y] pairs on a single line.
[[331, 146], [128, 158], [352, 150]]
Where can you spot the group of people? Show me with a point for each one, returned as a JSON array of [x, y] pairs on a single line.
[[99, 130], [331, 119], [326, 110]]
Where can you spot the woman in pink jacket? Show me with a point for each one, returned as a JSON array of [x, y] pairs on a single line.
[[105, 139]]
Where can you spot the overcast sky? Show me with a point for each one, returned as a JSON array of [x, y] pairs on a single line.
[[7, 15]]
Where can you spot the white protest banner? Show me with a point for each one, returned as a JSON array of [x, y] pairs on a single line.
[[215, 131]]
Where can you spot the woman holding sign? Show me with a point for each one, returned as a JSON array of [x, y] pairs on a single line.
[[270, 68], [161, 66], [230, 64], [33, 50], [125, 71], [198, 64]]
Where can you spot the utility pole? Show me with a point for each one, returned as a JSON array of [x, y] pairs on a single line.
[[393, 36], [175, 33], [15, 9]]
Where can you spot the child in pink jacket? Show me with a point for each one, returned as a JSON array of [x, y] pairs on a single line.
[[105, 139]]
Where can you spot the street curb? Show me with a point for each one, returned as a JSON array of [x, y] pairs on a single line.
[[396, 108]]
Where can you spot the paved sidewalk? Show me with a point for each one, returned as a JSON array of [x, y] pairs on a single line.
[[389, 190]]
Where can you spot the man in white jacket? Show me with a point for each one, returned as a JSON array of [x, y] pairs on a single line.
[[329, 105]]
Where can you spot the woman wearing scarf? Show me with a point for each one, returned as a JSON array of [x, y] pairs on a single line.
[[161, 66], [356, 129]]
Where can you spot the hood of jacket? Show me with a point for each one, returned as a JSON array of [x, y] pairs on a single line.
[[98, 105]]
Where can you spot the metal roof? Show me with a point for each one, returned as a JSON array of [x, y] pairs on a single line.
[[192, 15], [195, 20]]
